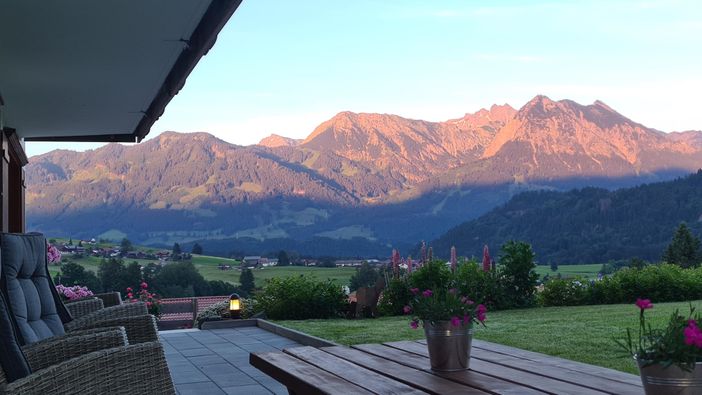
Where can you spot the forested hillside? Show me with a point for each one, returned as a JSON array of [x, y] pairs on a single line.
[[588, 225]]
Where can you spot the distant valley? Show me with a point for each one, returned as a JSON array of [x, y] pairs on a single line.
[[358, 185]]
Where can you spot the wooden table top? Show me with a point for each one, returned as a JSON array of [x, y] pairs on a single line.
[[403, 368]]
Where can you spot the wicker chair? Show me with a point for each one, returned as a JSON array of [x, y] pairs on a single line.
[[90, 362], [37, 307], [91, 304]]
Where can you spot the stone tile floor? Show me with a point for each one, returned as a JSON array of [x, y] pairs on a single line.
[[216, 362]]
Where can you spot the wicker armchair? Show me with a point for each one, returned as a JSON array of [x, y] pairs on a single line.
[[38, 309], [92, 362], [90, 304]]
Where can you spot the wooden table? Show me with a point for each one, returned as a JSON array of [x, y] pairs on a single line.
[[403, 368]]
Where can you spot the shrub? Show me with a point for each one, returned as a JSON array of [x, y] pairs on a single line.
[[431, 275], [221, 310], [74, 274], [301, 297], [480, 285], [395, 297], [219, 287], [518, 275], [365, 276], [566, 292]]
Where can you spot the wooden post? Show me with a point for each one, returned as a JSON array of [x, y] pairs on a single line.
[[13, 186], [194, 309]]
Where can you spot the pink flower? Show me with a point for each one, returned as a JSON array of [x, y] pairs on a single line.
[[414, 291], [466, 319], [427, 293], [144, 285], [644, 304], [455, 321], [407, 309], [480, 312], [467, 301], [453, 291], [129, 289], [414, 324], [52, 253], [693, 335], [130, 295]]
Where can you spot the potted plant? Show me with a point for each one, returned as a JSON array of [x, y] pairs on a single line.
[[669, 358], [447, 317]]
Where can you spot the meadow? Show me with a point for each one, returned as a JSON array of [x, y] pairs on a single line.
[[588, 271], [208, 267], [581, 333]]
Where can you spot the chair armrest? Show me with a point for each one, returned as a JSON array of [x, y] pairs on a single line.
[[139, 329], [110, 299], [134, 369], [122, 311], [82, 307], [62, 348]]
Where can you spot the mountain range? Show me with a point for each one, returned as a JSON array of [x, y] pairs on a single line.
[[358, 185]]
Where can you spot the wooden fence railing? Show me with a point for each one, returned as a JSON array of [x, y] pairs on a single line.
[[182, 312]]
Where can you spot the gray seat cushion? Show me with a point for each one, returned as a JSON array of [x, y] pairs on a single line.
[[28, 289], [12, 360]]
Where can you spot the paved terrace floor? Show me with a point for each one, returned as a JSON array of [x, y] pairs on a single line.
[[216, 362]]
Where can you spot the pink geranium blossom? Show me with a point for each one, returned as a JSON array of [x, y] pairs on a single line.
[[644, 304], [427, 293], [414, 291], [480, 312], [693, 334], [414, 324], [455, 321], [407, 309]]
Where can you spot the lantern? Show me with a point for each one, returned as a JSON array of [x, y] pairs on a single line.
[[234, 306]]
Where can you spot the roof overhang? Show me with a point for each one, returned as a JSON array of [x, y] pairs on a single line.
[[99, 71]]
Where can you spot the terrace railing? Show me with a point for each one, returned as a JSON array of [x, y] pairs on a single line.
[[179, 313]]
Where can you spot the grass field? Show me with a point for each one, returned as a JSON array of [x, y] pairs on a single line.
[[581, 333], [208, 267], [585, 271]]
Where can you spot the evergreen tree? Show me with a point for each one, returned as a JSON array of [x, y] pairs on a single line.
[[111, 273], [176, 250], [197, 249], [74, 274], [684, 249], [246, 281], [365, 276], [283, 259], [554, 266], [70, 241], [126, 245]]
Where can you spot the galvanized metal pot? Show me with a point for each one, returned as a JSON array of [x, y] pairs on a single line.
[[449, 346], [658, 380]]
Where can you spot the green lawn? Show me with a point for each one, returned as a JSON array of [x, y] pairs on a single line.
[[208, 267], [585, 271], [341, 275], [582, 333]]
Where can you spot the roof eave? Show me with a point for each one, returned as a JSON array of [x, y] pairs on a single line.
[[203, 38]]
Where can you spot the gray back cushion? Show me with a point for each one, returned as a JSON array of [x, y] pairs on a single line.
[[13, 362], [28, 288]]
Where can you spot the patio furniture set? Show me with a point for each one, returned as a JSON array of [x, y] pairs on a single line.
[[95, 346], [403, 368]]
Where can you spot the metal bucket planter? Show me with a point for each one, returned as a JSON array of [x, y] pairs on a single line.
[[449, 346], [658, 380]]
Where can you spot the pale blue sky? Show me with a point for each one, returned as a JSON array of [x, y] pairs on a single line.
[[285, 66]]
